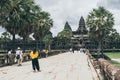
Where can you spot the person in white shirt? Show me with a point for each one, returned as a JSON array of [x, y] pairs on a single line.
[[19, 56], [70, 49], [9, 61]]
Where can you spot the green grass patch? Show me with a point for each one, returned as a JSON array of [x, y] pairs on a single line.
[[114, 55], [115, 63]]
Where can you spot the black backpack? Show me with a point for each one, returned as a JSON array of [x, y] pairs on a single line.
[[18, 57]]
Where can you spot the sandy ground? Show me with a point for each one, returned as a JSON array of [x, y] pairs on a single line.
[[118, 60], [66, 66]]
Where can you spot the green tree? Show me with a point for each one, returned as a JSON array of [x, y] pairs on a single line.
[[100, 23], [12, 21], [113, 38], [65, 35], [5, 37], [48, 40], [15, 19], [28, 18], [43, 26], [5, 8]]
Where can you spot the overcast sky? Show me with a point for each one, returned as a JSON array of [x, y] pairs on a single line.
[[71, 11]]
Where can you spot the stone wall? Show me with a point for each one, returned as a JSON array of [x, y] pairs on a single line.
[[107, 70]]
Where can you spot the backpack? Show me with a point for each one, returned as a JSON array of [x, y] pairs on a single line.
[[18, 57]]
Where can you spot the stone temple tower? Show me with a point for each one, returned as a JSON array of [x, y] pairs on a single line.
[[80, 35], [82, 29]]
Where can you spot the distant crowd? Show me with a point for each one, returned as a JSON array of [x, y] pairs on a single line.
[[81, 50]]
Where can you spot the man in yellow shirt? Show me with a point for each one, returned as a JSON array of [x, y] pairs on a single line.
[[35, 63]]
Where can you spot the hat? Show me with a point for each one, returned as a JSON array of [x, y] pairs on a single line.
[[18, 48]]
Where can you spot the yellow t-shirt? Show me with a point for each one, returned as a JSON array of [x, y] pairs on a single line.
[[33, 56], [46, 51]]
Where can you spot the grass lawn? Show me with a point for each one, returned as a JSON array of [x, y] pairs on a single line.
[[115, 63], [114, 55]]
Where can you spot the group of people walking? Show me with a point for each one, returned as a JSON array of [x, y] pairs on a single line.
[[34, 54], [81, 50], [18, 57]]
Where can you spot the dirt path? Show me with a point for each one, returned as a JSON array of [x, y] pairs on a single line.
[[118, 60], [66, 66]]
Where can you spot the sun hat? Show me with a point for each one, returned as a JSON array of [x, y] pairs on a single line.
[[18, 48]]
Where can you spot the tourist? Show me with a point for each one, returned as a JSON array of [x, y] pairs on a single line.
[[43, 53], [73, 49], [9, 57], [35, 63], [19, 56], [46, 52], [70, 49]]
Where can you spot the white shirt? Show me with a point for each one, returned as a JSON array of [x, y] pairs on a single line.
[[19, 52], [9, 52]]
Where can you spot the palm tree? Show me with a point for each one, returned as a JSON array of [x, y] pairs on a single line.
[[15, 15], [48, 40], [13, 19], [43, 26], [28, 18], [100, 23], [5, 37], [5, 8]]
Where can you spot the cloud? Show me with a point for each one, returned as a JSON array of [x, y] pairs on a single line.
[[66, 10], [113, 4], [114, 7], [71, 11]]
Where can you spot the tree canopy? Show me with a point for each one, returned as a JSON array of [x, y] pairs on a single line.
[[66, 33], [100, 23]]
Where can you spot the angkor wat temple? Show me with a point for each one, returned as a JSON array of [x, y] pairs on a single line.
[[80, 36]]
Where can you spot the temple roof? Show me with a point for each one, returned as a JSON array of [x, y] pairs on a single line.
[[81, 29]]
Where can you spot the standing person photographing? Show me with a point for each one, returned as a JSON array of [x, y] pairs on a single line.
[[35, 63]]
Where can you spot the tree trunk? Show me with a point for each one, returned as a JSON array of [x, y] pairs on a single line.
[[45, 46], [13, 43], [37, 44], [24, 43], [13, 38], [99, 47], [49, 47], [102, 48]]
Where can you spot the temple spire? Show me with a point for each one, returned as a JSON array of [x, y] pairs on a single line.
[[82, 29]]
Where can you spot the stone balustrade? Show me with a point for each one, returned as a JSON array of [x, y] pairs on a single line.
[[107, 70]]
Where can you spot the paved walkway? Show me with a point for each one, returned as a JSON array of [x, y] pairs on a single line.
[[66, 66]]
